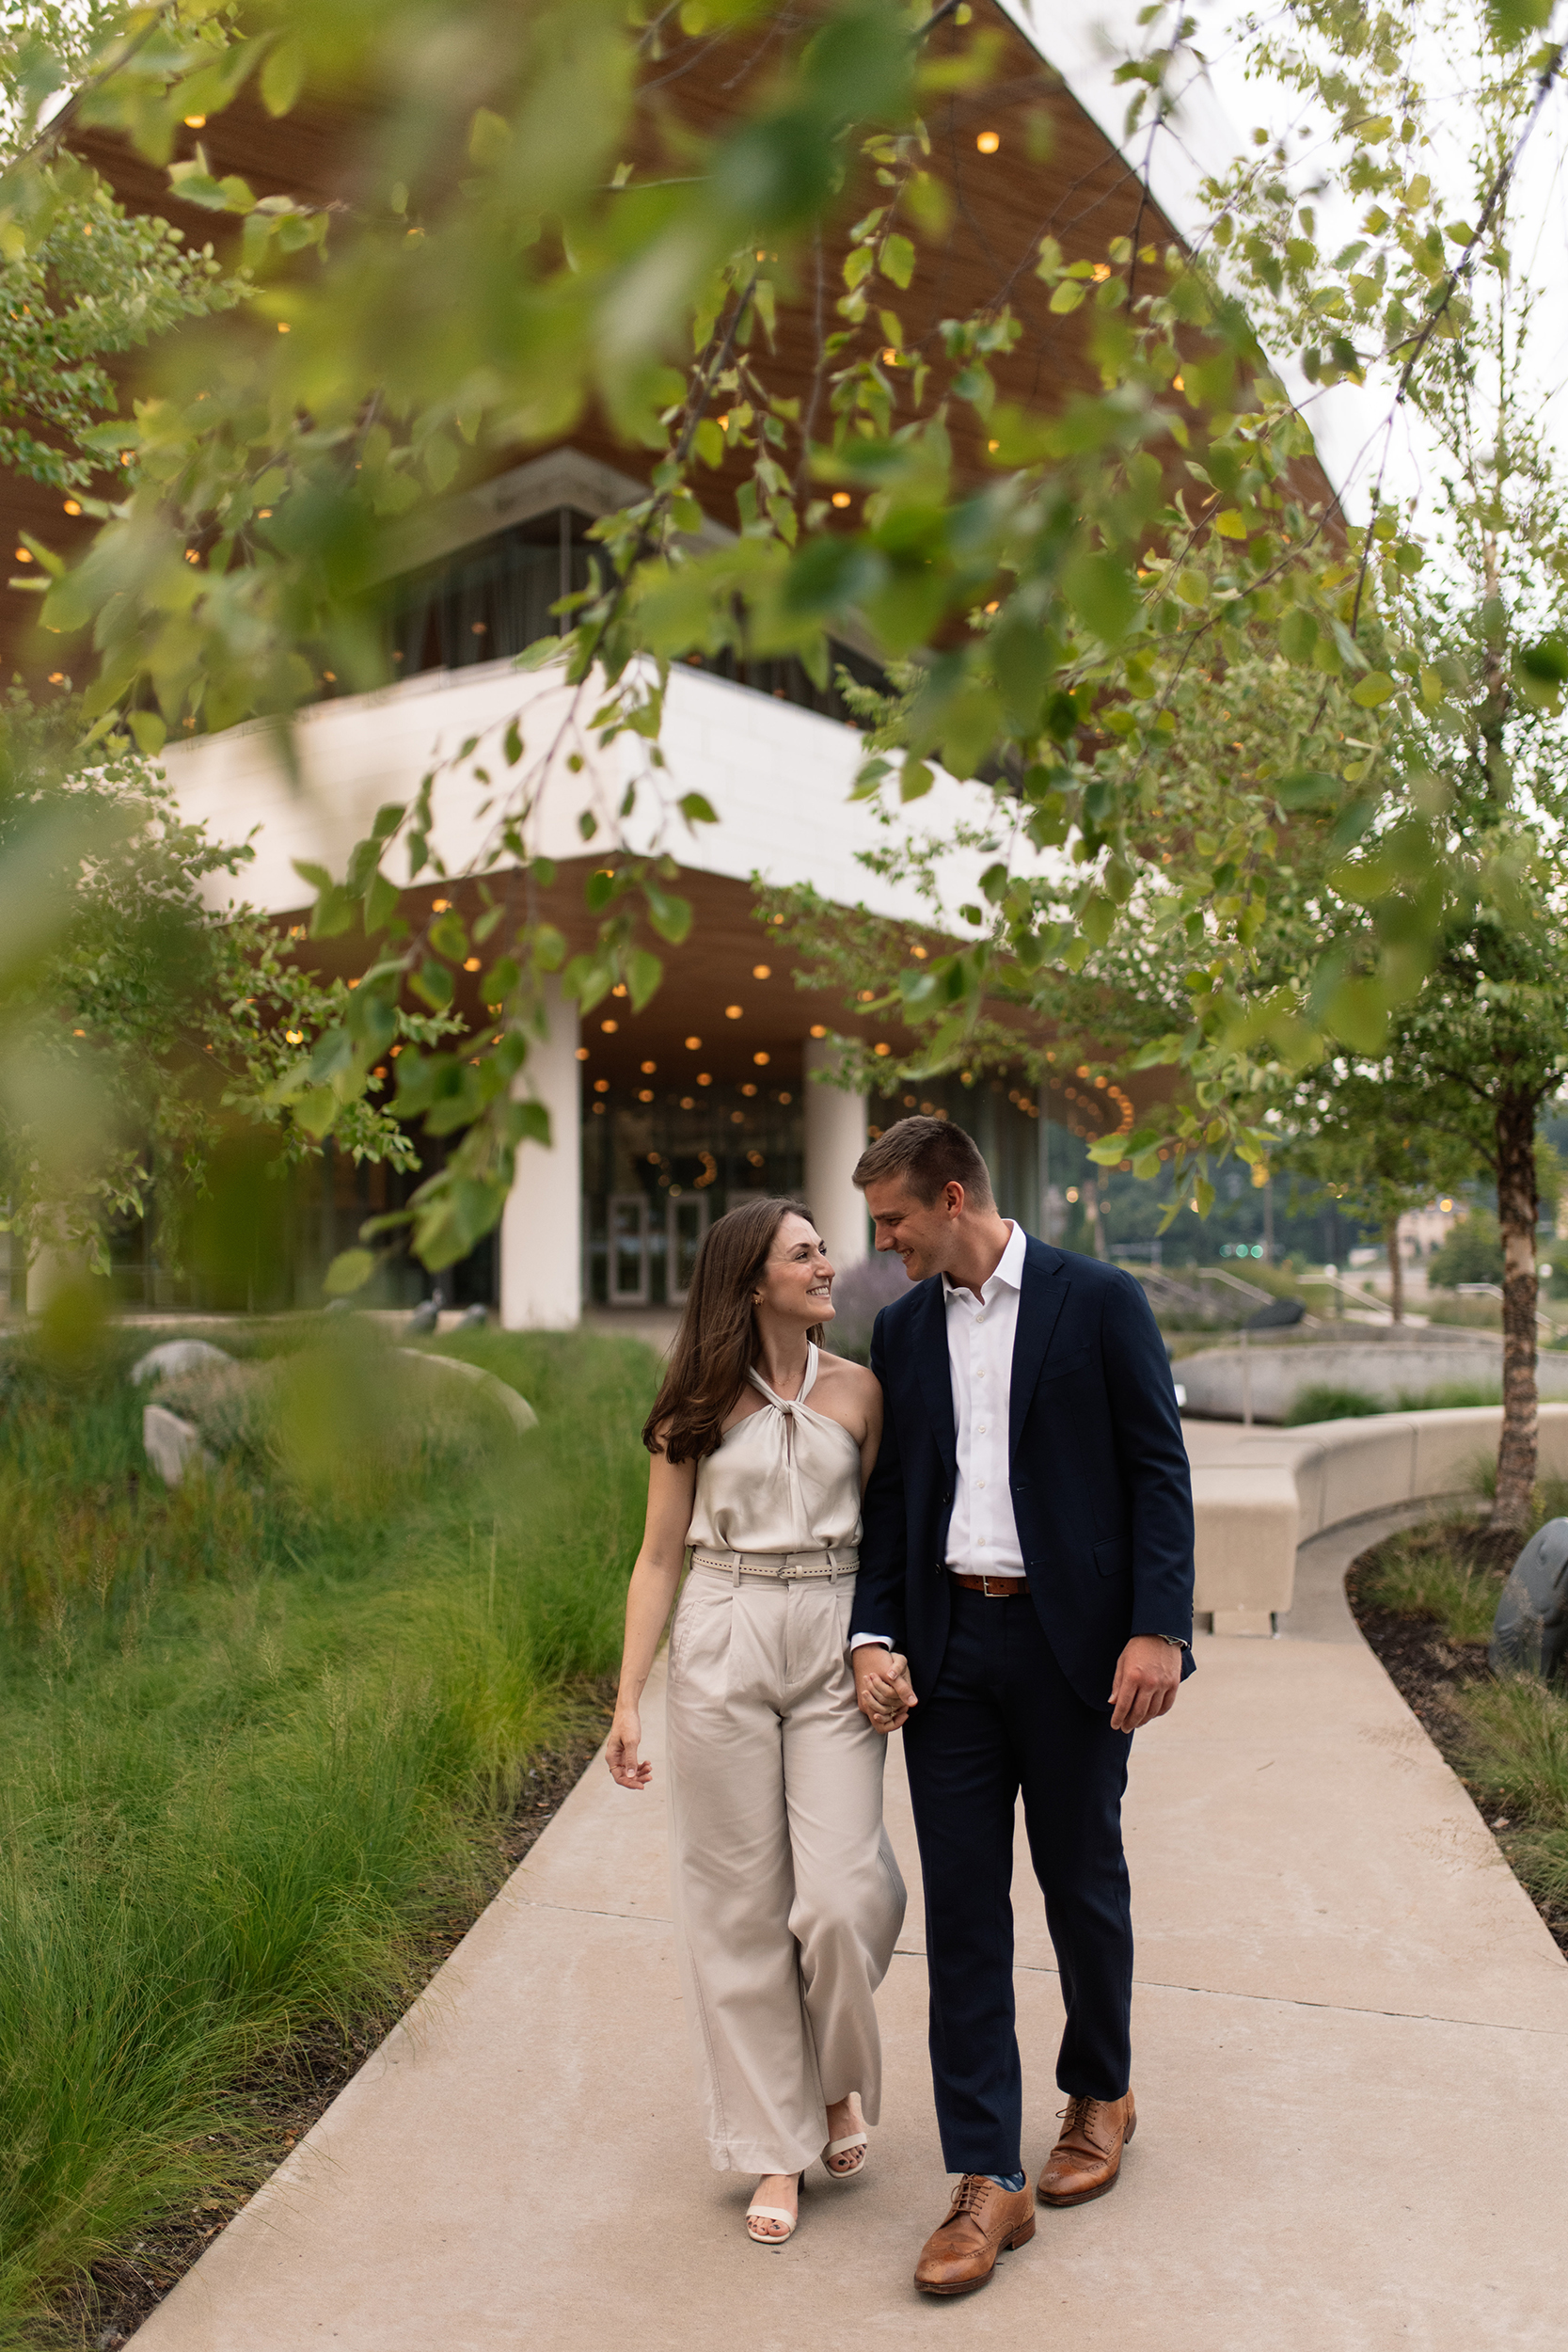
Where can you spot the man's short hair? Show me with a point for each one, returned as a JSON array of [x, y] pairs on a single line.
[[929, 1154]]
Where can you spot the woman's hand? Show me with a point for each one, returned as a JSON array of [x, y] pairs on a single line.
[[883, 1690], [625, 1737]]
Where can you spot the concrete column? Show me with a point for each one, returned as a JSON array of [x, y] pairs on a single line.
[[541, 1239], [835, 1137], [56, 1265]]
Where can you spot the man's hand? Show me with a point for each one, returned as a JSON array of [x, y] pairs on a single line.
[[883, 1687], [1149, 1676]]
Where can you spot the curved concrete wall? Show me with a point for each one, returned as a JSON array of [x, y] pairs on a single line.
[[1259, 1493], [1216, 1379]]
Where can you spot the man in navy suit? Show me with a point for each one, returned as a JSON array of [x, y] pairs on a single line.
[[1023, 1605]]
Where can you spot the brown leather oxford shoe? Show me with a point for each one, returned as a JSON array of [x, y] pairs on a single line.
[[1088, 2158], [981, 2220]]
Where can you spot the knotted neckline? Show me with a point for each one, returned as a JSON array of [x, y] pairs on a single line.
[[787, 1404]]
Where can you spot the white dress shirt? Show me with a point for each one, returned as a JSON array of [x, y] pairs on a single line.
[[982, 1533]]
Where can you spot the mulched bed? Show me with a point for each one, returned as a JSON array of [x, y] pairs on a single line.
[[274, 2108], [1426, 1669]]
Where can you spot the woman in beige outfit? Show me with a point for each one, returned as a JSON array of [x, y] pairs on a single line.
[[787, 1899]]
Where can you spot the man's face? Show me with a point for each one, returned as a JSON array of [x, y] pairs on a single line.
[[922, 1237]]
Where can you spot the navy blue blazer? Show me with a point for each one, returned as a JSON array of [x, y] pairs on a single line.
[[1101, 1487]]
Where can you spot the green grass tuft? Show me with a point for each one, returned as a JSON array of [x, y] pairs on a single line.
[[1423, 1573], [1324, 1402]]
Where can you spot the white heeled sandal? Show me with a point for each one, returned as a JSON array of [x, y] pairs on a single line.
[[773, 2212], [855, 2144]]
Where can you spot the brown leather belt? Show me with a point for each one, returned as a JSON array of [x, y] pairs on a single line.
[[993, 1587]]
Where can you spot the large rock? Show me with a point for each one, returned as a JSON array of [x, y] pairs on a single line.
[[173, 1446], [519, 1407], [1529, 1633], [171, 1357]]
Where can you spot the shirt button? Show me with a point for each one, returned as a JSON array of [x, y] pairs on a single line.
[[981, 1431], [981, 1482]]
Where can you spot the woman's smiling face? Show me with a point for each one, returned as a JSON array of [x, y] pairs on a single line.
[[797, 1277]]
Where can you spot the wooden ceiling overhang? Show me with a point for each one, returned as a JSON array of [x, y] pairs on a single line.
[[732, 1011], [1050, 171]]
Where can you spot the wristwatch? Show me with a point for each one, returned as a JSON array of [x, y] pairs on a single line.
[[1175, 1641]]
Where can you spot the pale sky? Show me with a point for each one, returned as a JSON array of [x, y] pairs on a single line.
[[1087, 39]]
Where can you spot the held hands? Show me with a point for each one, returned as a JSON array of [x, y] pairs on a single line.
[[883, 1687], [625, 1737], [1149, 1676]]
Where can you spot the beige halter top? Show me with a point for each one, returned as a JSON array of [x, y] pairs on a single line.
[[786, 1479]]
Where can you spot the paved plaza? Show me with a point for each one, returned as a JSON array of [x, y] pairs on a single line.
[[1351, 2071]]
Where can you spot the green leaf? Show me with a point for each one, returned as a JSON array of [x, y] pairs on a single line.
[[1515, 21], [669, 916], [489, 137], [645, 972], [1231, 524], [381, 903], [149, 730], [1308, 788], [1069, 295], [1548, 661], [1357, 1013], [351, 1269], [543, 650], [1097, 920], [434, 982], [898, 260], [1103, 596], [915, 779], [315, 1110], [283, 75], [1376, 688], [696, 810]]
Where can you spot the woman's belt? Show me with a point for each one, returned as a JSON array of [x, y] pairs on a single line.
[[780, 1567]]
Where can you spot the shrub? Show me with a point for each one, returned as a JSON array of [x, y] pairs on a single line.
[[1324, 1402], [1472, 1252], [859, 1295], [1452, 1396]]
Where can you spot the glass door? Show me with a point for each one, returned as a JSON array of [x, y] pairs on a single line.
[[628, 1249], [686, 1222]]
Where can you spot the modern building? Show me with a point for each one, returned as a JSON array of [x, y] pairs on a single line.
[[715, 1089]]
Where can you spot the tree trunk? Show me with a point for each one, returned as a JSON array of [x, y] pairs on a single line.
[[1395, 1269], [1516, 1213]]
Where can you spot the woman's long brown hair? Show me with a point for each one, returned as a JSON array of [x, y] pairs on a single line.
[[716, 1344]]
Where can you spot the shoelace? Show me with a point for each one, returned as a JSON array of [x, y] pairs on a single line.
[[1077, 2116], [968, 2194]]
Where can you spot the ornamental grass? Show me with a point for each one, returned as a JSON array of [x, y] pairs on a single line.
[[254, 1730]]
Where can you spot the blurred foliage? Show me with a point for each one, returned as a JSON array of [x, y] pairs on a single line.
[[1265, 800], [503, 265], [1325, 1401], [1472, 1252], [141, 1035]]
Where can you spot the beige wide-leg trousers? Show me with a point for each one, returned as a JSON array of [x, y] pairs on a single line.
[[788, 1897]]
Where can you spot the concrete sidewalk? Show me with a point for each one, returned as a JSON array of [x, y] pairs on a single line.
[[1352, 2037]]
